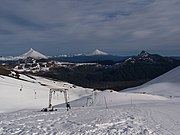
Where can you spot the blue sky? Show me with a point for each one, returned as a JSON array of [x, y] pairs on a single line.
[[122, 27]]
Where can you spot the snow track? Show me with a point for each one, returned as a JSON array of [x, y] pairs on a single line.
[[117, 120]]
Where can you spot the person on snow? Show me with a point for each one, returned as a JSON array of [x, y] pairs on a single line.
[[68, 106]]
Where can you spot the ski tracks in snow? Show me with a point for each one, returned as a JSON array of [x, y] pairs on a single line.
[[157, 121], [163, 122], [118, 120]]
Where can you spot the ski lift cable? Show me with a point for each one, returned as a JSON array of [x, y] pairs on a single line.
[[6, 83], [18, 85], [21, 86], [11, 83], [15, 84]]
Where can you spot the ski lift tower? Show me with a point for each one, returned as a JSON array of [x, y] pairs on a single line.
[[51, 91], [59, 90]]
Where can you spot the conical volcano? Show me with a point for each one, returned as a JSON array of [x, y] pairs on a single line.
[[33, 54], [98, 52]]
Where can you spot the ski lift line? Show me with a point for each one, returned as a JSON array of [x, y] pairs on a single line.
[[14, 83], [18, 80], [9, 84], [17, 85], [24, 86], [21, 80]]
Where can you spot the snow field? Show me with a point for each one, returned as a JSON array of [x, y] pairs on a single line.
[[33, 94], [135, 112], [167, 85], [135, 119]]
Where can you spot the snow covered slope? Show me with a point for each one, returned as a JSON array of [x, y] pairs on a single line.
[[166, 85], [159, 119], [32, 94], [93, 112], [118, 98], [29, 93], [33, 54], [150, 118]]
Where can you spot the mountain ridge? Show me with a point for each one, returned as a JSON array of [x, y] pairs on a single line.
[[119, 75]]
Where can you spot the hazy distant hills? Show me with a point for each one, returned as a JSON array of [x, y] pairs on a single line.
[[94, 57]]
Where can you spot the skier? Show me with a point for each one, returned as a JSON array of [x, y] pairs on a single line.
[[68, 106]]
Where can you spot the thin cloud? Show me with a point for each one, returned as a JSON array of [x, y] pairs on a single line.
[[84, 25]]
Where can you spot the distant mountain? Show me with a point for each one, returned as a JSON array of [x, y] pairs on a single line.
[[90, 59], [98, 52], [146, 58], [133, 71], [30, 54], [96, 56], [143, 54], [33, 54]]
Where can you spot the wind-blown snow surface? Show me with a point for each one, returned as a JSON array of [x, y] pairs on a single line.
[[95, 112], [166, 85]]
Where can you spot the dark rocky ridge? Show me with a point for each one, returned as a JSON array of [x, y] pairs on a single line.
[[131, 72]]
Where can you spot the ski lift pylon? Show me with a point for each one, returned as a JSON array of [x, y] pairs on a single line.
[[53, 90]]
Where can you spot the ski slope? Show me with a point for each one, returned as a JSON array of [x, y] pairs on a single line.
[[159, 118], [142, 110], [167, 85], [29, 93]]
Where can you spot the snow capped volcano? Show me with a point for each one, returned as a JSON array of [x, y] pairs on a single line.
[[98, 52], [33, 54]]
